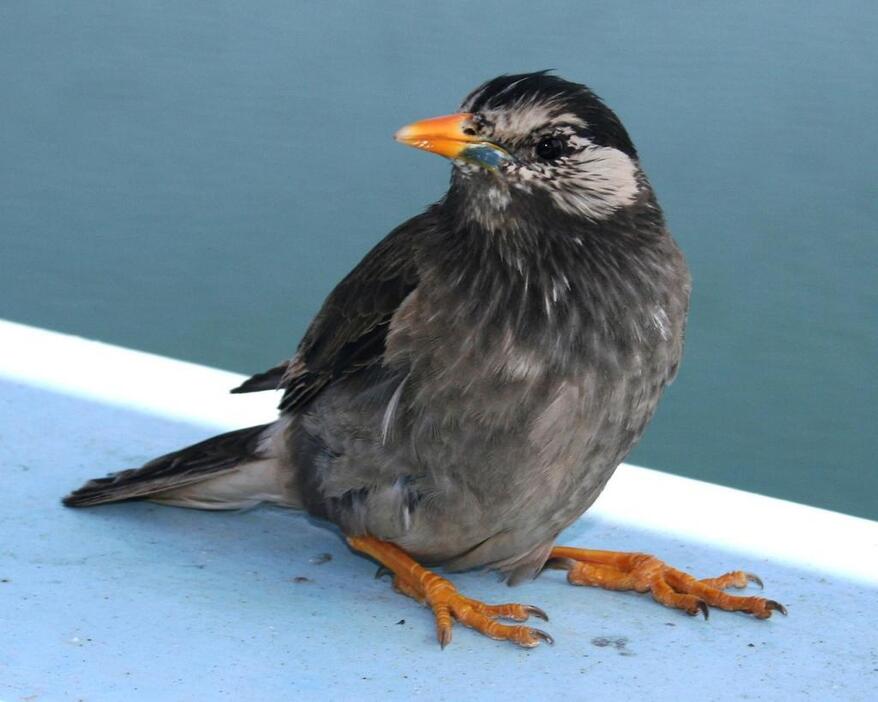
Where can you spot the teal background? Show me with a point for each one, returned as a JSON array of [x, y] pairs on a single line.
[[191, 178]]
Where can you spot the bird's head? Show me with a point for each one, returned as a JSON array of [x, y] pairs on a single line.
[[533, 141]]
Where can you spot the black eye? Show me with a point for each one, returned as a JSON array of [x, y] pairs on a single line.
[[550, 148]]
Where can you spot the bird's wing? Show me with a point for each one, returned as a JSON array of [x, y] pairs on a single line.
[[267, 380], [349, 332]]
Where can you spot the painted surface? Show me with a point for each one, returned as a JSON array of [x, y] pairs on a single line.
[[137, 601]]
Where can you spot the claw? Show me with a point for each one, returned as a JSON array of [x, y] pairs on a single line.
[[617, 570], [777, 606], [755, 579], [705, 610], [536, 612], [444, 637], [540, 634], [381, 572], [449, 605]]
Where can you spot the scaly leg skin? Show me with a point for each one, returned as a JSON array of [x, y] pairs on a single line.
[[447, 603], [615, 570]]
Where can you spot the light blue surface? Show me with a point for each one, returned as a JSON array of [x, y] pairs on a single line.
[[141, 602]]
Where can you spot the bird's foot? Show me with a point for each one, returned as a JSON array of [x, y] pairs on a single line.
[[615, 570], [421, 584]]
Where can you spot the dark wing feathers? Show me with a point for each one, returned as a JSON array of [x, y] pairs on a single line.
[[267, 380], [349, 332], [347, 335], [209, 458]]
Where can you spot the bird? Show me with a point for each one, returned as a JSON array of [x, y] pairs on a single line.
[[465, 393]]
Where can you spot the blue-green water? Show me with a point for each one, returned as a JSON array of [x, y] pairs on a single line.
[[191, 178]]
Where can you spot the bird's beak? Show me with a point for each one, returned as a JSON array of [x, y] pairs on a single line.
[[454, 137]]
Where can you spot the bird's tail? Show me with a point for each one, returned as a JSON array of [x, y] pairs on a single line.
[[238, 469]]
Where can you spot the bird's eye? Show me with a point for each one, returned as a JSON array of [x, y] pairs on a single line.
[[550, 148]]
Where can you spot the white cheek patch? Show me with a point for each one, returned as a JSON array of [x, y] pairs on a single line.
[[592, 181], [595, 182]]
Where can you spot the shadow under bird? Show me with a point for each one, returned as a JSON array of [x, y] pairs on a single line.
[[466, 392]]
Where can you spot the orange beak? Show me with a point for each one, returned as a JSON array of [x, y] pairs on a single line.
[[441, 135], [454, 137]]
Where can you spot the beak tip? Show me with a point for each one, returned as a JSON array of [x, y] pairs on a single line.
[[440, 135]]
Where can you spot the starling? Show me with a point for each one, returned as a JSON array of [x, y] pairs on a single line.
[[466, 392]]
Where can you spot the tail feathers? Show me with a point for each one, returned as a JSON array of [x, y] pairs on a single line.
[[163, 477]]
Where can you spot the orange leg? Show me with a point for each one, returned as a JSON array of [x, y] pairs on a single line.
[[615, 570], [447, 603]]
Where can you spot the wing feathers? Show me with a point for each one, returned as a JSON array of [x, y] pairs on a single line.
[[267, 380], [349, 332]]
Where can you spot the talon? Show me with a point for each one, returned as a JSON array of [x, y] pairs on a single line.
[[777, 606], [382, 571], [449, 605], [444, 637], [536, 612], [705, 610], [616, 570], [540, 634]]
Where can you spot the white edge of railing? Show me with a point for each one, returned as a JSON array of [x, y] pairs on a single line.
[[641, 497]]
